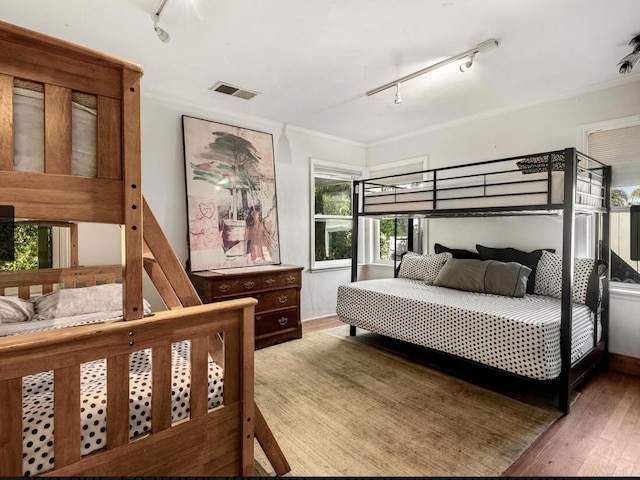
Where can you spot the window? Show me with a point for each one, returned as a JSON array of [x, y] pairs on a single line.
[[393, 237], [397, 236], [332, 187], [618, 144], [32, 248]]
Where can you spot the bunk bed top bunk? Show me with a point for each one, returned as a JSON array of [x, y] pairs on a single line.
[[522, 185], [70, 152], [472, 313]]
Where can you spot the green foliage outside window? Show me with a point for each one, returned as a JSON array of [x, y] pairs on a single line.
[[387, 232], [333, 219], [32, 249]]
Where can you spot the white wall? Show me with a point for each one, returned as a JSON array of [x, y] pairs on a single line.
[[163, 182], [543, 127]]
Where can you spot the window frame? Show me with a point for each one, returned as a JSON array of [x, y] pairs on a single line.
[[584, 131], [325, 169], [372, 240]]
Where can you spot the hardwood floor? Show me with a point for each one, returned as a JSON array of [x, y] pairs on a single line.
[[600, 437]]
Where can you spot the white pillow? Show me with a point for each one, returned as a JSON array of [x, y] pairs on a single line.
[[549, 276], [14, 309], [422, 267], [79, 301]]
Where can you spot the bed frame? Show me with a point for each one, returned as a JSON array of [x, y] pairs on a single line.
[[216, 442], [509, 187]]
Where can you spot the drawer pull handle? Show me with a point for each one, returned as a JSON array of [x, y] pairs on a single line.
[[270, 282], [283, 320], [282, 299], [224, 287], [291, 279], [249, 285]]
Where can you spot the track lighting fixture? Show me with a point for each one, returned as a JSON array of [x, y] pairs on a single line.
[[398, 98], [467, 65], [160, 32], [480, 48]]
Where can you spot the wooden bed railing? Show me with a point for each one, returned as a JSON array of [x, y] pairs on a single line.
[[48, 278], [171, 446]]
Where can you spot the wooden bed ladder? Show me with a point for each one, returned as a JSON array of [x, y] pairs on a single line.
[[170, 279]]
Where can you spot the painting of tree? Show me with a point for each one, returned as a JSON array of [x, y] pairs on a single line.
[[231, 195]]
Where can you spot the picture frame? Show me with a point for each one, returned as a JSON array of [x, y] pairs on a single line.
[[231, 196]]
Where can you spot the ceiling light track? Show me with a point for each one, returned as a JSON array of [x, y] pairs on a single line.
[[480, 48]]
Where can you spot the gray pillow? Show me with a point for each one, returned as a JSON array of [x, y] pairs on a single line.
[[14, 309], [484, 276], [80, 301]]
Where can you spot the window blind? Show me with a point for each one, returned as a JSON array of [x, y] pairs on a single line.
[[620, 148]]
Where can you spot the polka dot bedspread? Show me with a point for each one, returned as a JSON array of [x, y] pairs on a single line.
[[37, 405], [519, 335]]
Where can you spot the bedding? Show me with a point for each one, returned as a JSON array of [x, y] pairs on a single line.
[[37, 406], [422, 267], [484, 276], [14, 309], [508, 254], [455, 252], [518, 335], [78, 301], [549, 281]]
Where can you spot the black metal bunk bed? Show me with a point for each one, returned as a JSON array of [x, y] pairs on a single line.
[[566, 183]]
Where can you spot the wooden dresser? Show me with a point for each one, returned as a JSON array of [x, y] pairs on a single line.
[[276, 287]]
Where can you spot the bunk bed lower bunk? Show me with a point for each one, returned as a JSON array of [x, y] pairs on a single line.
[[528, 314], [70, 362]]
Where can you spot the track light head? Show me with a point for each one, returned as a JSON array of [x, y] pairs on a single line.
[[155, 16], [161, 33], [398, 99], [467, 65]]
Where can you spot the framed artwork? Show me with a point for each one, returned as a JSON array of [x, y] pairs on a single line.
[[231, 196]]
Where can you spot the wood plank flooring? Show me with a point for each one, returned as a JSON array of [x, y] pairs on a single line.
[[600, 437]]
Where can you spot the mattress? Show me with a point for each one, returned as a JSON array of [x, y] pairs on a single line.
[[37, 404], [518, 335]]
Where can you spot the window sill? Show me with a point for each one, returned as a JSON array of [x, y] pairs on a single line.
[[330, 268], [623, 290]]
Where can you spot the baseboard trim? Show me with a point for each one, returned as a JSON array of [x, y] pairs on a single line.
[[624, 364]]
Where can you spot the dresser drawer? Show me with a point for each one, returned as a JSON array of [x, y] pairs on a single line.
[[286, 297], [277, 280], [277, 289], [234, 287], [276, 321]]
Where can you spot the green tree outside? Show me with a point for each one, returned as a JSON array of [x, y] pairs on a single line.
[[26, 249]]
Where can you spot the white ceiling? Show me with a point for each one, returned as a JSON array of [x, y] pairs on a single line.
[[313, 60]]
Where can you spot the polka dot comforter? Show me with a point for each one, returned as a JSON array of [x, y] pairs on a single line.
[[38, 401], [519, 335]]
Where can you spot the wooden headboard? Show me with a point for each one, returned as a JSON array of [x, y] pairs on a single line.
[[114, 195]]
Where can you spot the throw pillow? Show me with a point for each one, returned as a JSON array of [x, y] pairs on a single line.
[[529, 259], [484, 276], [422, 267]]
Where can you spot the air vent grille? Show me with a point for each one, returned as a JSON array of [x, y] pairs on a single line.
[[228, 89]]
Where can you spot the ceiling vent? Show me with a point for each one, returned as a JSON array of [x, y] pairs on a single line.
[[228, 89]]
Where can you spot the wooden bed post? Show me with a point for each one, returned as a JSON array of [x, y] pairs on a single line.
[[132, 176]]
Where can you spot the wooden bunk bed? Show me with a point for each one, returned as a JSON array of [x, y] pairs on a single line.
[[210, 441], [565, 183]]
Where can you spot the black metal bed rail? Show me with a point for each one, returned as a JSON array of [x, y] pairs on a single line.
[[436, 189]]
